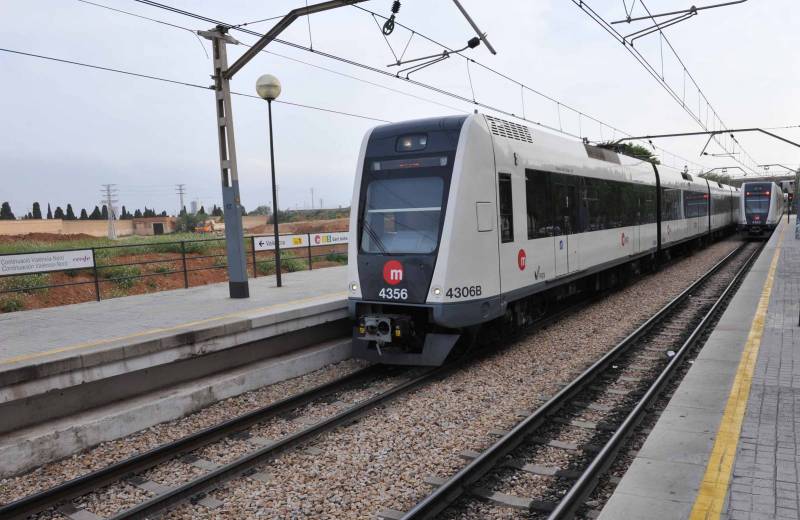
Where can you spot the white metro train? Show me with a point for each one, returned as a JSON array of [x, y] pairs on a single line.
[[458, 221], [760, 207]]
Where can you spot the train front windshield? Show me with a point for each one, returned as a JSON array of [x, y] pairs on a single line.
[[402, 215], [756, 200]]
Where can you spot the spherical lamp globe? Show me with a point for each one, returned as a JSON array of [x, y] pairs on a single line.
[[268, 87]]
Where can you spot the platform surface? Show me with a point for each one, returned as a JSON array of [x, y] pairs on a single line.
[[726, 446], [57, 333]]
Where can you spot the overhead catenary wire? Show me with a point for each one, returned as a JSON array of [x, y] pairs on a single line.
[[430, 87], [605, 25], [184, 83]]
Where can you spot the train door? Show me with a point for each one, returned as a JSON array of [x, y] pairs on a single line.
[[565, 191]]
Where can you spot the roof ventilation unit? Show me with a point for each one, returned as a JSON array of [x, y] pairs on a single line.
[[509, 130]]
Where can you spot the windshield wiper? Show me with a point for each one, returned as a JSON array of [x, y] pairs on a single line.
[[374, 236]]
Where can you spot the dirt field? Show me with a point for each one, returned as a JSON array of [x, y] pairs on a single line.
[[148, 266]]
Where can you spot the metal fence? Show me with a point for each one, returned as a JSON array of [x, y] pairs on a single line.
[[298, 252]]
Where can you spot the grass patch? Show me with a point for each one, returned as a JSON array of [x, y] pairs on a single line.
[[220, 261], [339, 258], [11, 303], [27, 283], [120, 274]]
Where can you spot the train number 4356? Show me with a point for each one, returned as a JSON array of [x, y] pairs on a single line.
[[393, 294]]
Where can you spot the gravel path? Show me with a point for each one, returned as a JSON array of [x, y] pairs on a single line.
[[380, 461]]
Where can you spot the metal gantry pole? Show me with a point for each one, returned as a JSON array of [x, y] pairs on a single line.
[[234, 244], [274, 200]]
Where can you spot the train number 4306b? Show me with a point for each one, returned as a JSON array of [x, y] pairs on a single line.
[[393, 294], [464, 292]]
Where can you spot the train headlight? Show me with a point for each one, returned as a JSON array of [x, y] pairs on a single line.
[[437, 291], [353, 287]]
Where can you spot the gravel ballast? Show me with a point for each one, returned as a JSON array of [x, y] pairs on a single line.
[[381, 461]]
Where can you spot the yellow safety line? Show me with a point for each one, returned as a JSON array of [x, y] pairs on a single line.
[[243, 313], [714, 487]]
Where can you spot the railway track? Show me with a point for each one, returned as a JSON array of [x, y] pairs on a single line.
[[131, 470], [551, 461]]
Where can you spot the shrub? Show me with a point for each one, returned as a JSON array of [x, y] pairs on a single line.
[[120, 275], [292, 264], [220, 261], [27, 283], [11, 303], [266, 267], [163, 268]]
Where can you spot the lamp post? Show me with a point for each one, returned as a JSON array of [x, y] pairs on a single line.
[[269, 88]]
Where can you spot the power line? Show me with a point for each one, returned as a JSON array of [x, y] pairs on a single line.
[[411, 81], [680, 99], [184, 83]]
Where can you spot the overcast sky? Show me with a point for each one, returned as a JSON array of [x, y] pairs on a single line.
[[66, 130]]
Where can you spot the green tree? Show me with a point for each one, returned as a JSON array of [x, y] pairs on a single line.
[[202, 210], [216, 211], [59, 212], [187, 222], [637, 151], [104, 212], [96, 215], [6, 213], [261, 210], [70, 215], [137, 213], [37, 211], [84, 215], [49, 213]]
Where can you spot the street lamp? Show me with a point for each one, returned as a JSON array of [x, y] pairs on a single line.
[[269, 88]]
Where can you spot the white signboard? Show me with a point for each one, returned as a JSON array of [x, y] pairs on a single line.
[[43, 262], [286, 242], [329, 239]]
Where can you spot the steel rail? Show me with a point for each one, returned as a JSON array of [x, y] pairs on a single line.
[[37, 502], [241, 465], [588, 480], [488, 460], [244, 464], [32, 504]]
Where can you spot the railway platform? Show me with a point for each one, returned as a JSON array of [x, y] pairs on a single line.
[[727, 445], [86, 362]]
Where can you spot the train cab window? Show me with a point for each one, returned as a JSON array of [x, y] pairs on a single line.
[[506, 208], [539, 204], [402, 215]]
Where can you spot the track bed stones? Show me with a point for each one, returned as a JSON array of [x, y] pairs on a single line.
[[380, 462]]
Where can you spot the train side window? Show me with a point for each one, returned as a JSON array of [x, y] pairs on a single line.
[[506, 209], [539, 204], [670, 204]]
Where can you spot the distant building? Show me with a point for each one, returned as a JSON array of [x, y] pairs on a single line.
[[194, 206]]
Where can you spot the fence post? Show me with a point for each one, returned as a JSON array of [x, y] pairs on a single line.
[[183, 260], [253, 249], [96, 281], [308, 241]]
